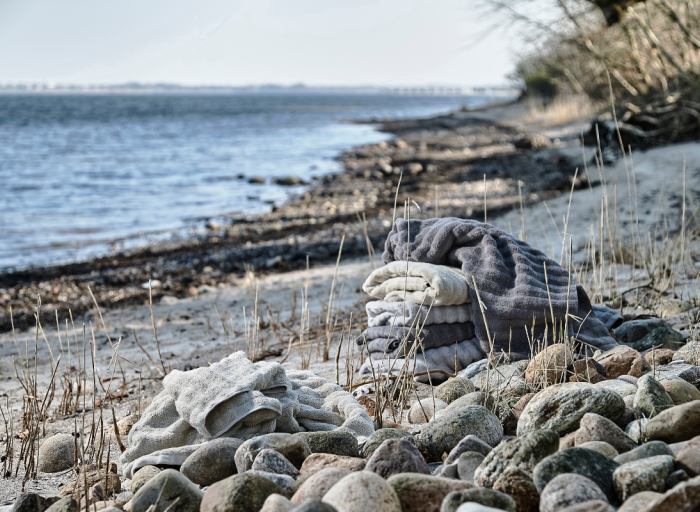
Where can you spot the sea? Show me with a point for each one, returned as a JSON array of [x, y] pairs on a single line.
[[86, 175]]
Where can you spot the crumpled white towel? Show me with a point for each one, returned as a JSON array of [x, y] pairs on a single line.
[[381, 313], [420, 283], [441, 358], [238, 398]]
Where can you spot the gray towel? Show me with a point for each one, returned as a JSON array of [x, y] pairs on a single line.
[[238, 398], [389, 340], [420, 283], [510, 280], [381, 312], [442, 358]]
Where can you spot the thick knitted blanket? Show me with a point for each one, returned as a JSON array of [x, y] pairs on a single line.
[[381, 313], [418, 283], [517, 293], [388, 341], [238, 398]]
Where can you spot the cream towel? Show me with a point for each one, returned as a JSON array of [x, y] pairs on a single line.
[[420, 283]]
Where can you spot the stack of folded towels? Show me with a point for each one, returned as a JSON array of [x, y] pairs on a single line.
[[453, 290]]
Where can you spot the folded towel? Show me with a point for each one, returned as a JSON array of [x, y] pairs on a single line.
[[433, 360], [519, 301], [381, 312], [238, 398], [390, 340], [420, 283]]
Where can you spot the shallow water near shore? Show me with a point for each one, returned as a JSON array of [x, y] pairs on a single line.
[[83, 175]]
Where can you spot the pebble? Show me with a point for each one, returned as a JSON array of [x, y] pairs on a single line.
[[452, 389], [549, 365], [687, 372], [476, 507], [318, 461], [475, 398], [277, 503], [485, 497], [212, 462], [689, 457], [523, 452], [318, 484], [676, 477], [285, 482], [293, 447], [397, 456], [597, 428], [271, 461], [142, 476], [659, 357], [520, 405], [379, 437], [601, 447], [684, 497], [442, 434], [65, 504], [622, 360], [676, 424], [561, 407], [638, 501], [336, 442], [518, 484], [238, 492], [447, 471], [647, 474], [590, 506], [619, 386], [680, 391], [635, 330], [31, 502], [363, 491], [587, 370], [467, 464], [629, 413], [569, 489], [583, 462], [422, 411], [314, 506], [690, 353], [494, 379], [423, 493], [659, 337], [57, 453], [637, 430], [124, 425], [470, 443], [651, 397], [165, 488], [650, 449]]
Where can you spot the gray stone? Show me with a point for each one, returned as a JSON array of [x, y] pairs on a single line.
[[447, 471], [621, 387], [590, 506], [271, 461], [688, 372], [318, 484], [422, 411], [622, 361], [518, 484], [238, 492], [601, 447], [680, 391], [397, 456], [635, 330], [651, 397], [594, 427], [142, 476], [561, 407], [336, 442], [521, 452], [684, 497], [495, 379], [293, 447], [676, 424], [638, 501], [583, 462], [471, 443], [476, 398], [31, 502], [424, 493], [363, 491], [318, 461], [486, 497], [314, 506], [167, 487], [690, 353], [379, 437], [569, 489], [452, 389], [212, 462], [467, 464], [650, 449], [659, 337], [647, 474], [277, 503], [57, 453], [442, 434], [676, 477], [285, 482], [637, 430], [65, 504]]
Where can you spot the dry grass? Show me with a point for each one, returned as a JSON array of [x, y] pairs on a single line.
[[564, 109]]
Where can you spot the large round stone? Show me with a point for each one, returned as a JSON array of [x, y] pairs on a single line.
[[212, 462], [422, 411], [238, 493], [518, 484], [424, 493], [594, 427], [643, 475], [549, 365], [676, 424], [293, 447], [336, 442], [379, 437], [650, 449], [622, 360], [169, 488], [452, 389], [486, 497], [561, 407], [651, 397], [680, 391], [397, 456], [57, 453], [363, 491], [569, 489], [318, 484], [690, 353]]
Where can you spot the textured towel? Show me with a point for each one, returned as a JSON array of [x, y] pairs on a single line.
[[381, 312], [238, 398], [519, 302], [442, 358], [389, 340], [420, 283]]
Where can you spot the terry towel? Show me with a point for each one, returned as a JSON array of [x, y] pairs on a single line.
[[381, 313], [389, 340]]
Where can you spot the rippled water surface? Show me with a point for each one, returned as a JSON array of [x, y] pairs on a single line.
[[81, 175]]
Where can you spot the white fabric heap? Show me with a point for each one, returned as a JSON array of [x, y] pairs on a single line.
[[419, 283], [238, 398]]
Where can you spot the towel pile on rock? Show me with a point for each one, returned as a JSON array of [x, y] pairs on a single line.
[[454, 289], [237, 398]]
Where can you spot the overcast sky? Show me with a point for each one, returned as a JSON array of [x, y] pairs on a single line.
[[237, 42]]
